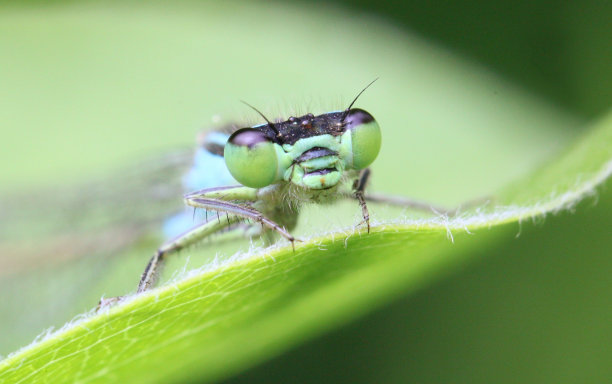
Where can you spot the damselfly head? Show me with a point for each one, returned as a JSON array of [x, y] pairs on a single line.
[[309, 151]]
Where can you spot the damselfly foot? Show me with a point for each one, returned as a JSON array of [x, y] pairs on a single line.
[[107, 302]]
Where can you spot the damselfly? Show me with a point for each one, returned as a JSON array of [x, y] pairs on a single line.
[[280, 166], [272, 169]]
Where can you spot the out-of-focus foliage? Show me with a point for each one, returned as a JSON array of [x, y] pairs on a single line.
[[558, 49]]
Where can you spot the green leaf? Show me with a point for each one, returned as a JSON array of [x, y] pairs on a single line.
[[243, 309], [225, 317]]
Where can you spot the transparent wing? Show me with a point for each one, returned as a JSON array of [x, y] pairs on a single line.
[[96, 216], [58, 246]]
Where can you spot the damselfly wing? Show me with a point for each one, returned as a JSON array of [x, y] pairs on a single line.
[[61, 246]]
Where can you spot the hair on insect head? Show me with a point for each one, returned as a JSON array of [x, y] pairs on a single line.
[[346, 112]]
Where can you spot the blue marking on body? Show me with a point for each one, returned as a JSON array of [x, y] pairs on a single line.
[[208, 171]]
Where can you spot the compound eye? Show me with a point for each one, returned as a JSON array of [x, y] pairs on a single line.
[[365, 137], [251, 158]]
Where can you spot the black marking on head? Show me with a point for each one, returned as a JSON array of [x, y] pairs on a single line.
[[315, 153], [291, 130], [296, 128], [309, 125], [320, 172]]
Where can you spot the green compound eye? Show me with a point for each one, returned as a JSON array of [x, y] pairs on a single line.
[[251, 158], [365, 137]]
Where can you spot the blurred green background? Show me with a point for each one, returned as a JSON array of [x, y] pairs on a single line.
[[472, 95]]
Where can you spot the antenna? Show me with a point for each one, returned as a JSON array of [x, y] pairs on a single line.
[[355, 99], [262, 115]]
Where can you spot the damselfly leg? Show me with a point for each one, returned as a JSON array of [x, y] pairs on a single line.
[[233, 201]]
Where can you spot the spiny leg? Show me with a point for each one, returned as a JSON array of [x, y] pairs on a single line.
[[199, 232], [359, 188], [151, 272], [359, 193], [239, 210], [360, 185]]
